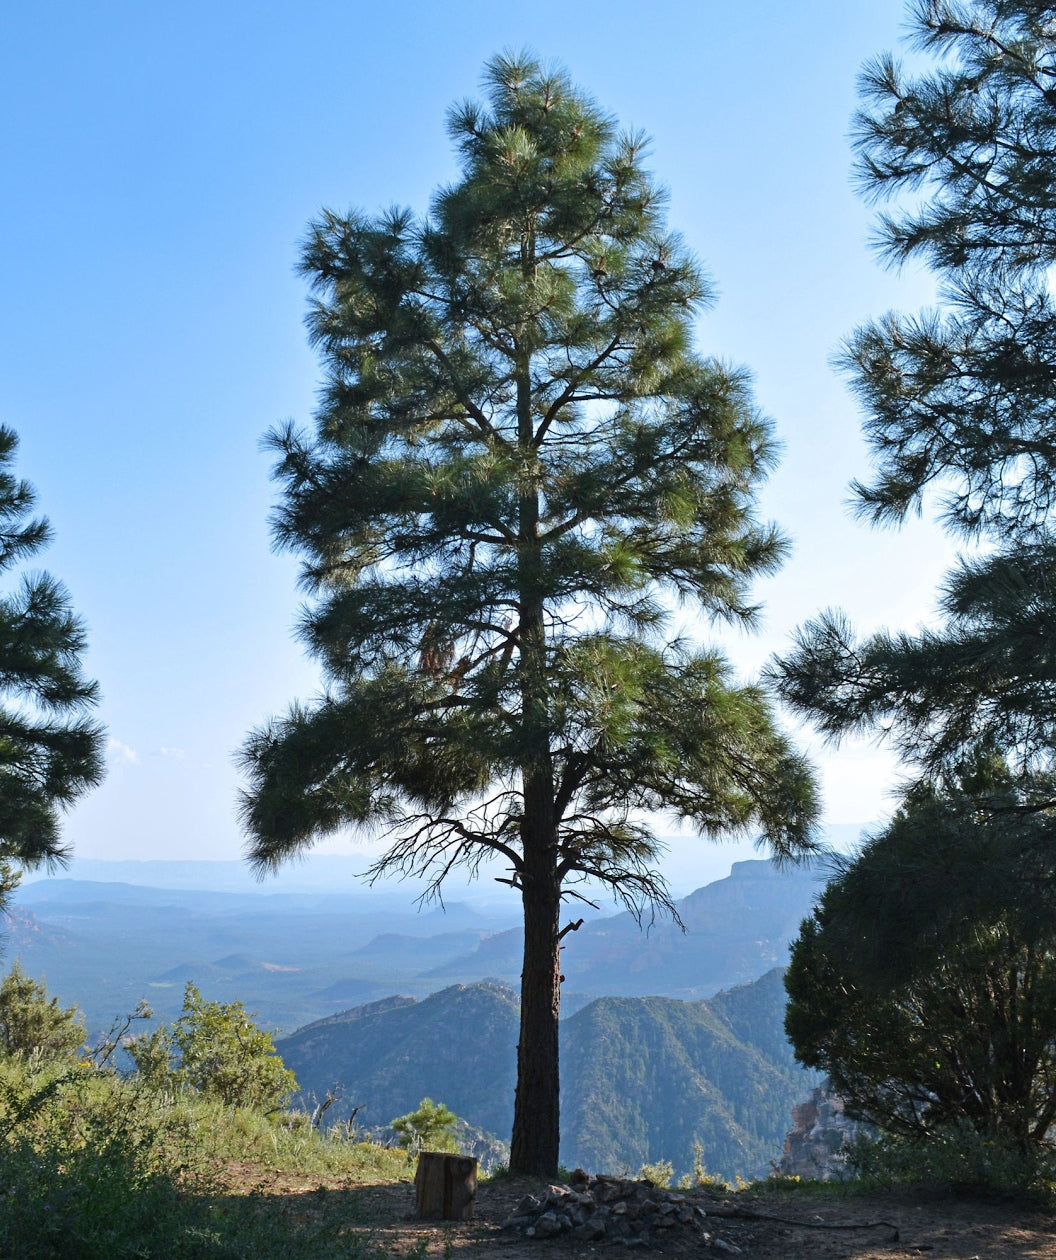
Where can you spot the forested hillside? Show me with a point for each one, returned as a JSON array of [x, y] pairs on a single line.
[[644, 1079], [648, 1079]]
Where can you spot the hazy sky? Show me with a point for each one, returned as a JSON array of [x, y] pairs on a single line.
[[160, 165]]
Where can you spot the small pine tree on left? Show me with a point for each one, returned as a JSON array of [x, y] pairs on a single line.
[[51, 751], [430, 1128], [32, 1025]]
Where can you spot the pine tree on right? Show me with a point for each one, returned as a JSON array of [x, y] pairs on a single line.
[[940, 911], [960, 402]]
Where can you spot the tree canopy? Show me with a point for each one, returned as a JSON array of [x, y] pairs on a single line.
[[961, 399], [924, 985], [50, 749], [958, 401], [519, 462]]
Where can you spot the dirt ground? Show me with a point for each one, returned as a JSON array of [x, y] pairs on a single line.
[[811, 1227]]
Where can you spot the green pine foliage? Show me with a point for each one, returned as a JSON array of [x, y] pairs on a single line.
[[520, 460], [50, 749], [519, 447], [958, 402], [34, 1026], [430, 1127], [924, 985], [985, 679]]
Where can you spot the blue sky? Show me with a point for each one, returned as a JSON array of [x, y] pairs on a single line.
[[161, 163]]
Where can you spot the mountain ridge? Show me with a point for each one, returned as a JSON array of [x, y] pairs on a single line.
[[643, 1078], [302, 957]]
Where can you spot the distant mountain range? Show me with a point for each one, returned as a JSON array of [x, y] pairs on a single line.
[[732, 931], [297, 957], [643, 1079], [289, 957], [687, 862], [660, 1047]]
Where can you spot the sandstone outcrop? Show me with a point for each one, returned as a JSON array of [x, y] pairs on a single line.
[[816, 1144]]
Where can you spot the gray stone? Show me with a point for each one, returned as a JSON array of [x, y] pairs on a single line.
[[589, 1231], [519, 1222], [546, 1226]]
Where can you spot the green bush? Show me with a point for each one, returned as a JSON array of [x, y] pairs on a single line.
[[431, 1127], [34, 1025], [93, 1167], [924, 984], [956, 1156], [80, 1165], [219, 1051]]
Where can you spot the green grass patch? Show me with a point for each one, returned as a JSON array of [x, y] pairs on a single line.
[[94, 1166]]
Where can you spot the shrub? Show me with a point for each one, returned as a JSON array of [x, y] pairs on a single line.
[[93, 1167], [221, 1052], [31, 1024], [955, 1156], [431, 1127], [661, 1173]]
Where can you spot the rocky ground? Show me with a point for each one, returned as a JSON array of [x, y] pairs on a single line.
[[764, 1225]]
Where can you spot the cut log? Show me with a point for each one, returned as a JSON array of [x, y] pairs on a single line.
[[445, 1187]]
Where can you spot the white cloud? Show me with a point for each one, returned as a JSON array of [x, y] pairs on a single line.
[[121, 753], [173, 754]]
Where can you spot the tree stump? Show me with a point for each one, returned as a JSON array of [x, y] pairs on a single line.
[[445, 1187]]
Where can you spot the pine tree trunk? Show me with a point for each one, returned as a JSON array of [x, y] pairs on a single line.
[[536, 1111], [536, 1114], [536, 1107]]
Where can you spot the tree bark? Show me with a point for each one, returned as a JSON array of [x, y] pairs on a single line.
[[536, 1112], [536, 1108]]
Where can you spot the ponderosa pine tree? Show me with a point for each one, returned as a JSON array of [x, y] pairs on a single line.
[[959, 403], [50, 750], [518, 458]]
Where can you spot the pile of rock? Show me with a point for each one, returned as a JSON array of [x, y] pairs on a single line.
[[610, 1209]]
